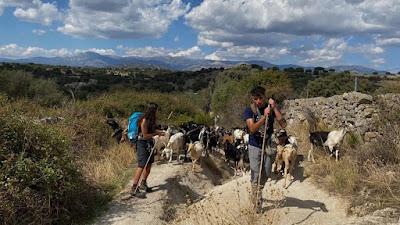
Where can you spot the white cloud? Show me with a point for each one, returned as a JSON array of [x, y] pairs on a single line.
[[241, 29], [39, 32], [194, 52], [121, 19], [331, 52], [378, 62], [14, 3], [215, 57], [388, 40], [262, 22], [148, 51], [38, 12], [248, 53], [96, 50], [368, 49], [15, 51]]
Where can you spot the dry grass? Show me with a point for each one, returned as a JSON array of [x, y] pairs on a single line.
[[368, 174], [107, 170], [382, 186], [342, 176]]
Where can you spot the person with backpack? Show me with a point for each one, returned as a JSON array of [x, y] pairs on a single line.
[[146, 130], [260, 117]]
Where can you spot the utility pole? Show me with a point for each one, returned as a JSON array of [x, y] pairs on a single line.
[[355, 83]]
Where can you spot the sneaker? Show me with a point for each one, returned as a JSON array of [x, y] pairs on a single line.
[[146, 188]]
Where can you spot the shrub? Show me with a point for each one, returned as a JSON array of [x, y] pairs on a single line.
[[39, 182], [368, 172], [230, 95], [18, 84], [338, 84]]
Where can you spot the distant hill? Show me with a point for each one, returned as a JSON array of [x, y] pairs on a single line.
[[355, 68], [91, 59]]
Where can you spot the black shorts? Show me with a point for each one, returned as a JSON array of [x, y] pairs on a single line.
[[143, 150]]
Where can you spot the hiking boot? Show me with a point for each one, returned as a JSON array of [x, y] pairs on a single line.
[[135, 192], [143, 186], [134, 189]]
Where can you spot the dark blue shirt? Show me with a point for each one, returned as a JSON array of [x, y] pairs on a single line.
[[256, 138]]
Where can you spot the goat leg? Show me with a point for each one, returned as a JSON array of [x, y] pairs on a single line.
[[337, 154], [311, 154], [292, 167], [285, 184]]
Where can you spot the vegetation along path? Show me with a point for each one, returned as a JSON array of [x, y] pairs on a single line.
[[185, 197]]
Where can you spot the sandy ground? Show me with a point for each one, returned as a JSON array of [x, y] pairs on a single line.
[[301, 203], [185, 197], [175, 186]]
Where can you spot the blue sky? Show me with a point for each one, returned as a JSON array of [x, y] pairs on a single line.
[[303, 32]]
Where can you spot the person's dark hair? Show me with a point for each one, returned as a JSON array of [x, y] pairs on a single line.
[[257, 91], [150, 116]]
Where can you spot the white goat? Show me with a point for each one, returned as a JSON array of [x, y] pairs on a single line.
[[175, 144], [238, 134], [334, 138], [246, 139], [327, 139], [161, 142], [195, 150]]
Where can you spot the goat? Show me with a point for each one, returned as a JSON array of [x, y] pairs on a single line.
[[238, 134], [161, 142], [241, 157], [175, 144], [195, 150], [232, 151], [280, 137], [118, 133], [326, 139], [285, 154]]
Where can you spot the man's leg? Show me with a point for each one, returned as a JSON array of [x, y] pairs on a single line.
[[256, 189], [143, 184], [136, 178]]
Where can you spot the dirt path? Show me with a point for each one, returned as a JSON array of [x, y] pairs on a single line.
[[175, 186], [184, 197], [301, 203]]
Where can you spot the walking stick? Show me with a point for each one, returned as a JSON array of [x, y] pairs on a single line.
[[261, 161]]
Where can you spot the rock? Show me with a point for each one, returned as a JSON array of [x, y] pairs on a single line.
[[369, 136], [362, 109]]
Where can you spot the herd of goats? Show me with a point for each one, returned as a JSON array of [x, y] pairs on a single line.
[[195, 141]]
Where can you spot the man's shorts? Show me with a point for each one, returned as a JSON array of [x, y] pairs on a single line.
[[143, 150]]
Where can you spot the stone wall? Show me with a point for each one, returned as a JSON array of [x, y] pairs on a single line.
[[356, 111]]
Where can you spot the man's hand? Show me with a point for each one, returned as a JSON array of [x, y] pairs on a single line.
[[267, 111], [271, 103]]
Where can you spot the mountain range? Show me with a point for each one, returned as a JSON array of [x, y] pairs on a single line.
[[92, 59]]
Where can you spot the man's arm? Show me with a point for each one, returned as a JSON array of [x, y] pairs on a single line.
[[254, 126], [279, 118], [278, 114]]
